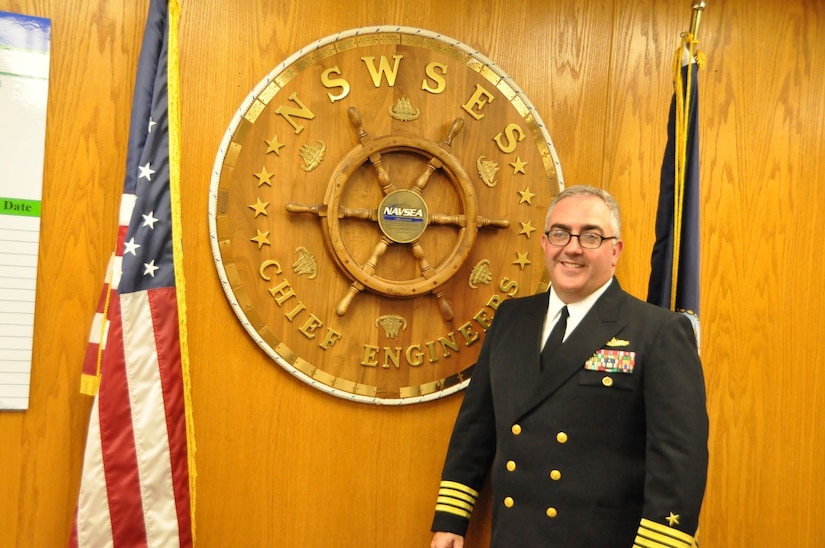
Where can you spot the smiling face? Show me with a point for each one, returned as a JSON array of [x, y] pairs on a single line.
[[576, 272]]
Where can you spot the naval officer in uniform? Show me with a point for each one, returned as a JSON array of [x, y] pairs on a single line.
[[596, 437]]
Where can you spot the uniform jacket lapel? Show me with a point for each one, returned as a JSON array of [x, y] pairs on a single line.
[[599, 325], [525, 335]]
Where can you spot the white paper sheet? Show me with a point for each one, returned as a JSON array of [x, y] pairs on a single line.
[[24, 84]]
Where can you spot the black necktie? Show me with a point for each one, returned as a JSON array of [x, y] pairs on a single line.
[[554, 341]]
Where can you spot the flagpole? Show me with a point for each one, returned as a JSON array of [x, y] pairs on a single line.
[[696, 18]]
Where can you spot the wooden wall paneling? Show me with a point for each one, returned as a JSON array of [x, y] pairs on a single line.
[[93, 61], [763, 147], [640, 81], [281, 464]]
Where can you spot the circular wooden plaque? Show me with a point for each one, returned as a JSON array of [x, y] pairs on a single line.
[[374, 199]]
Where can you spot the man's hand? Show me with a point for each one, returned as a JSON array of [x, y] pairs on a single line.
[[447, 540]]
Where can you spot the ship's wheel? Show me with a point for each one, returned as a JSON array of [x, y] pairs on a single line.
[[402, 215]]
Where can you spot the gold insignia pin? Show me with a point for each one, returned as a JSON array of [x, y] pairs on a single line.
[[673, 519], [617, 342]]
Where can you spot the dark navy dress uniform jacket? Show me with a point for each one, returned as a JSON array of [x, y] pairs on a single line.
[[604, 446]]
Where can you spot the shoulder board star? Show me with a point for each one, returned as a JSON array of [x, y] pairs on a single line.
[[273, 146], [518, 165], [522, 259], [264, 177], [261, 239], [526, 196], [260, 207], [146, 171], [527, 228]]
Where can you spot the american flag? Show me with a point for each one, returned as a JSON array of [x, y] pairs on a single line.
[[135, 488]]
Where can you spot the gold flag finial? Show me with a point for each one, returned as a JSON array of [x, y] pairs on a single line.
[[696, 17]]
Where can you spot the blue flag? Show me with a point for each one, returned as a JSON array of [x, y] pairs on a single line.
[[674, 262]]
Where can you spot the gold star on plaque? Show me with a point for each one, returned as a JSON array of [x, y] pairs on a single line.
[[518, 165], [673, 519], [264, 177], [522, 259], [261, 239], [527, 228], [526, 196], [273, 146], [260, 208]]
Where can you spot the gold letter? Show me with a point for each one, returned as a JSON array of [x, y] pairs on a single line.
[[294, 312], [313, 323], [470, 336], [494, 301], [384, 67], [509, 286], [484, 319], [285, 291], [415, 351], [331, 338], [431, 351], [441, 83], [370, 352], [394, 358], [267, 264], [289, 112], [445, 344], [477, 100], [512, 131], [335, 83]]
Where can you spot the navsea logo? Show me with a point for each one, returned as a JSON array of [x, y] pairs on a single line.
[[395, 212]]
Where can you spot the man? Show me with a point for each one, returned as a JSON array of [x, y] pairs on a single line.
[[598, 443]]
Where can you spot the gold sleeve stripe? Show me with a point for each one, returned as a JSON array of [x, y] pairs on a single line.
[[641, 542], [665, 530], [460, 487], [455, 502], [452, 510], [456, 498], [656, 535], [453, 494], [657, 540]]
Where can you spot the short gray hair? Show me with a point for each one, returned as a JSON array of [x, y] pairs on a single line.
[[586, 190]]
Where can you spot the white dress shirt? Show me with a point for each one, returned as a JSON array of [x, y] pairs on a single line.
[[576, 311]]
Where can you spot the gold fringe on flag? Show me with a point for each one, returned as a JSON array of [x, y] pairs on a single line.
[[89, 384], [683, 88], [177, 245]]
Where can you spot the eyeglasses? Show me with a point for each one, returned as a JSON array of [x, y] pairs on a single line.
[[588, 240]]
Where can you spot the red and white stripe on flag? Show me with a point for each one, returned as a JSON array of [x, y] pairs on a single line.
[[90, 379], [134, 454]]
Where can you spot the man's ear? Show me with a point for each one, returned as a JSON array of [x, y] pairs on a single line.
[[617, 250]]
